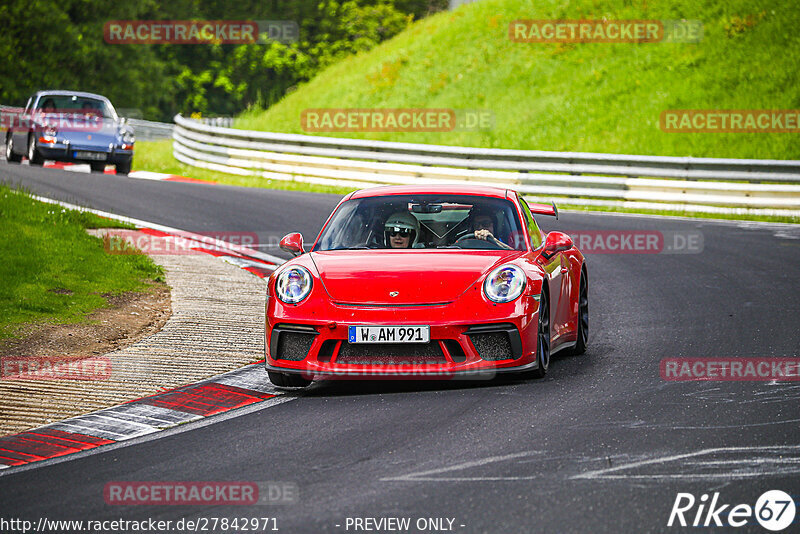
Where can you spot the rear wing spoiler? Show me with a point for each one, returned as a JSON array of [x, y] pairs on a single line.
[[544, 209]]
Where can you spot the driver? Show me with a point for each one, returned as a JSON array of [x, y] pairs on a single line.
[[401, 230], [48, 106], [483, 226]]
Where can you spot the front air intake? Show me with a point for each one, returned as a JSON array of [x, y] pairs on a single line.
[[496, 341], [291, 342], [391, 354]]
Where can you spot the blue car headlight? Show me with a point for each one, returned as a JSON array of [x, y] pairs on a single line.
[[504, 284], [293, 284]]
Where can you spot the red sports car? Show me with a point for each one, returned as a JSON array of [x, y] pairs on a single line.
[[427, 281]]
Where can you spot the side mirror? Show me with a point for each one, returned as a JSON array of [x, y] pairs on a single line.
[[556, 242], [292, 243]]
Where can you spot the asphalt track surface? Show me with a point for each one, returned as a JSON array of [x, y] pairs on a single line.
[[603, 444]]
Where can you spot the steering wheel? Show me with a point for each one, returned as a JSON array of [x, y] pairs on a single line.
[[480, 244], [466, 236]]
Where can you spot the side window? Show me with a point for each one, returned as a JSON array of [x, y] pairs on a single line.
[[533, 228]]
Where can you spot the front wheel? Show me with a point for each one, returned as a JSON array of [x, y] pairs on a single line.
[[98, 166], [543, 338], [10, 156], [124, 167], [288, 380], [34, 158]]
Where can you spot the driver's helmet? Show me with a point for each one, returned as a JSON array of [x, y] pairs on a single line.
[[399, 221]]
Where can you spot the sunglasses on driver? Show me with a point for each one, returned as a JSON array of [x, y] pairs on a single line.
[[403, 232]]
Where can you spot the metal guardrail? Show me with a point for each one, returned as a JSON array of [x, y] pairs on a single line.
[[150, 130], [652, 182]]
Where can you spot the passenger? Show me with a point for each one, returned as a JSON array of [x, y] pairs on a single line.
[[48, 106], [401, 230]]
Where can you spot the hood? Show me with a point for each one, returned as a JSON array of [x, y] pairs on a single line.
[[423, 277], [104, 134]]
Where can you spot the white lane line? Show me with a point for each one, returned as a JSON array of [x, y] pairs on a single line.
[[743, 461], [697, 476], [168, 229], [607, 472], [424, 475]]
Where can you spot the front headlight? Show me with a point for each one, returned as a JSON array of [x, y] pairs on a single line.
[[504, 284], [293, 284], [127, 138]]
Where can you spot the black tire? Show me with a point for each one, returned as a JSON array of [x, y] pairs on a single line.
[[124, 167], [583, 316], [542, 338], [34, 158], [98, 166], [10, 156], [287, 380]]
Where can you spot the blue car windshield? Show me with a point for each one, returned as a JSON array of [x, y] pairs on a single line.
[[75, 104], [424, 222]]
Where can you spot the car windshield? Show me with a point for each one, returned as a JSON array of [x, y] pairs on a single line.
[[75, 104], [424, 222]]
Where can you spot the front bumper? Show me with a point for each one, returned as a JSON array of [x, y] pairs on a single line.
[[465, 341], [65, 152]]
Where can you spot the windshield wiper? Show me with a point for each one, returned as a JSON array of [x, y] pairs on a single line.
[[357, 247]]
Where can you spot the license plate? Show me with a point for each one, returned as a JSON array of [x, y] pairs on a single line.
[[389, 334], [98, 156]]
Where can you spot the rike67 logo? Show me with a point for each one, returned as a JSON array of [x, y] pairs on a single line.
[[774, 510]]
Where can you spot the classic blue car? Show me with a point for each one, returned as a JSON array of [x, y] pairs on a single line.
[[70, 126]]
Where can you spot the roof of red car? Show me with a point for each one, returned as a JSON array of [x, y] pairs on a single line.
[[454, 189]]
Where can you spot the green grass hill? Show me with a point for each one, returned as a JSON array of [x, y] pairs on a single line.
[[587, 97]]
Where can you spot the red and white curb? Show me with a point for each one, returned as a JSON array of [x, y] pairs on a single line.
[[148, 175], [75, 167], [110, 169], [236, 389]]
